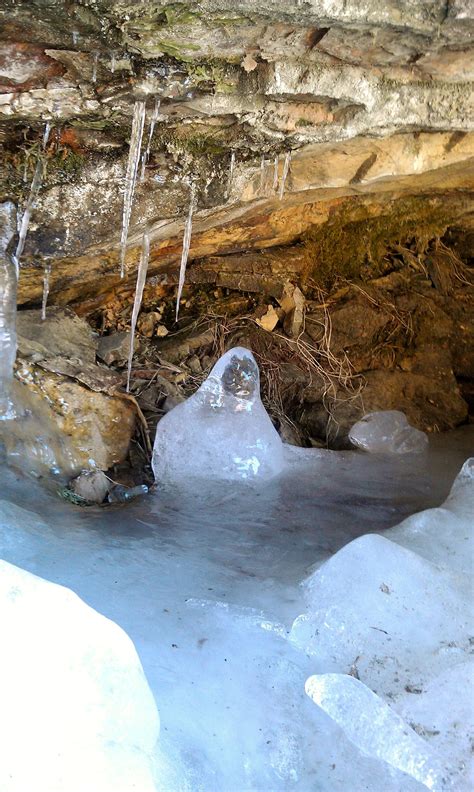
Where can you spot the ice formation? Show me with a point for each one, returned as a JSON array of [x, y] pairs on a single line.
[[8, 285], [444, 535], [146, 154], [284, 176], [223, 431], [77, 713], [186, 245], [138, 123], [33, 194], [387, 432], [46, 277], [231, 174], [140, 285], [375, 728]]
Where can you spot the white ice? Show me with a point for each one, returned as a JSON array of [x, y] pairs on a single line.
[[387, 432], [376, 729], [76, 711], [206, 581], [222, 432]]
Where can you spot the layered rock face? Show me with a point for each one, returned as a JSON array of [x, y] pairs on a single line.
[[326, 141]]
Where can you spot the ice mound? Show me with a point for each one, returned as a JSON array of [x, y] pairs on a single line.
[[77, 713], [387, 432], [379, 611], [444, 535], [376, 729], [222, 432]]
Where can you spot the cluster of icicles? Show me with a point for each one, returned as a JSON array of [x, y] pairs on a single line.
[[136, 165]]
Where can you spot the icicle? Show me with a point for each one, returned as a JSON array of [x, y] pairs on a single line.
[[112, 63], [262, 173], [75, 37], [275, 173], [286, 168], [94, 67], [231, 174], [8, 284], [185, 251], [131, 176], [141, 278], [47, 273], [34, 190], [146, 155]]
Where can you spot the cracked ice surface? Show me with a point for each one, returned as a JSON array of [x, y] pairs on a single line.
[[206, 582], [222, 432]]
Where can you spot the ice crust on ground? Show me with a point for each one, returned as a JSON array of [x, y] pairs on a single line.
[[76, 710], [387, 432], [222, 432], [389, 617], [375, 728], [206, 582]]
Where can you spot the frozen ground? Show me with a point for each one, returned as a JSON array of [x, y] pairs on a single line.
[[207, 587]]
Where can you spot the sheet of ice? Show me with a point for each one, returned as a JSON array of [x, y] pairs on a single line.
[[376, 729], [387, 432], [384, 613], [77, 713], [206, 583], [444, 535], [222, 432]]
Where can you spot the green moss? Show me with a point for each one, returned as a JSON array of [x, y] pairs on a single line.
[[303, 122], [352, 244]]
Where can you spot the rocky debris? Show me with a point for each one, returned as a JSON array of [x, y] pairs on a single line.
[[293, 304], [91, 485], [115, 348]]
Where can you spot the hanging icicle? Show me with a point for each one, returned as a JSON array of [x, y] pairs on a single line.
[[141, 279], [275, 173], [286, 168], [34, 190], [262, 173], [46, 277], [8, 284], [231, 175], [186, 243], [131, 176], [146, 155], [94, 67]]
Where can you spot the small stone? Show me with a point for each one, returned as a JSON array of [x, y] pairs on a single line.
[[195, 364], [294, 321], [161, 331], [147, 322], [269, 320], [114, 348], [92, 485]]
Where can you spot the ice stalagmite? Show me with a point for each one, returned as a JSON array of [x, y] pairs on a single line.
[[284, 176], [131, 176], [222, 432], [34, 190], [141, 278], [8, 284], [146, 154], [46, 276], [186, 243]]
